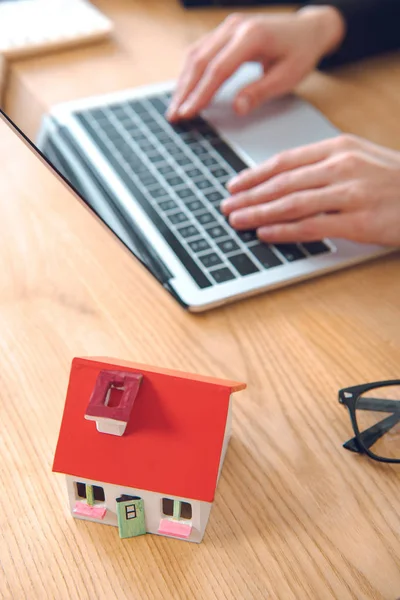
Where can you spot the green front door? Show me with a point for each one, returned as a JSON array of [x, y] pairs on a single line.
[[130, 512]]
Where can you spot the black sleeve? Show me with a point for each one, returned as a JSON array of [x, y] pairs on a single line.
[[373, 27]]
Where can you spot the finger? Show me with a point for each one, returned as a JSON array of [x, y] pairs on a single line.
[[193, 69], [293, 207], [310, 229], [304, 178], [282, 162], [197, 61], [228, 60], [277, 81]]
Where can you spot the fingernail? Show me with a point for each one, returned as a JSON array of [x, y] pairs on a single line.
[[233, 181], [225, 205], [243, 105], [185, 108], [238, 219], [173, 106], [265, 233]]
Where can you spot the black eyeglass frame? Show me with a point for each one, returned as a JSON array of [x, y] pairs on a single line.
[[349, 397]]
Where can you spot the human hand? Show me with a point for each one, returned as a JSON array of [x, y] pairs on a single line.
[[288, 46], [343, 187]]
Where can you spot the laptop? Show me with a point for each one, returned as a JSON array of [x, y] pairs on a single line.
[[159, 186]]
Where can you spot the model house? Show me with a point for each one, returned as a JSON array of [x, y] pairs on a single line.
[[142, 448]]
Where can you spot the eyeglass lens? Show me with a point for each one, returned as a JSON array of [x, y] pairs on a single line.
[[378, 421]]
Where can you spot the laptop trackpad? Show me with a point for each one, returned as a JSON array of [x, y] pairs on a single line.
[[279, 124]]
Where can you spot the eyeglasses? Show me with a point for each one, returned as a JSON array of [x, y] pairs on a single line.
[[375, 415]]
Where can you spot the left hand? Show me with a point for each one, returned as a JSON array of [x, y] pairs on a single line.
[[343, 187]]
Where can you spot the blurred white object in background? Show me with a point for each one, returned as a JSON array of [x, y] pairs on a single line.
[[34, 26]]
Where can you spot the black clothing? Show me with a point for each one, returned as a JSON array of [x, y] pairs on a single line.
[[373, 27]]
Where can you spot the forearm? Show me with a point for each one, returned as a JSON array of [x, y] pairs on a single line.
[[372, 27]]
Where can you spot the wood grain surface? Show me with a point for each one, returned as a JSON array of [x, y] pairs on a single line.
[[296, 516]]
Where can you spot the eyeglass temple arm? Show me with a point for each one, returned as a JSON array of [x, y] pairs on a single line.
[[372, 434], [378, 404]]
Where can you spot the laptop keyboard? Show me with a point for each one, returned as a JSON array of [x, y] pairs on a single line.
[[178, 173]]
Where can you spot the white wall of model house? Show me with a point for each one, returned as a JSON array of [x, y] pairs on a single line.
[[153, 508]]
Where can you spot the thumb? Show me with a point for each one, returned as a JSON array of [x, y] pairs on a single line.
[[278, 80]]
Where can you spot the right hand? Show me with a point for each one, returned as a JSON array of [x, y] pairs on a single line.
[[288, 46]]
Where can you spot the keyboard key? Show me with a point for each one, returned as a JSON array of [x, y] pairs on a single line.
[[138, 136], [177, 218], [290, 251], [129, 156], [174, 180], [145, 145], [198, 148], [214, 197], [137, 106], [113, 135], [172, 147], [209, 161], [121, 145], [154, 127], [132, 129], [157, 192], [265, 255], [194, 205], [196, 123], [192, 173], [199, 245], [117, 110], [229, 155], [216, 231], [168, 205], [180, 128], [184, 192], [182, 160], [228, 246], [218, 173], [243, 264], [205, 218], [165, 169], [126, 120], [147, 179], [316, 247], [146, 117], [247, 236], [163, 137], [209, 134], [188, 231], [98, 115], [203, 184], [222, 275], [210, 260], [158, 104], [155, 157], [189, 137]]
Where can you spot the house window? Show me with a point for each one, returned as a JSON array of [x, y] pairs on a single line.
[[114, 395], [130, 511], [168, 507], [176, 509], [92, 493]]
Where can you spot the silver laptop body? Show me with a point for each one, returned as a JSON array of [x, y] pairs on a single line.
[[279, 125]]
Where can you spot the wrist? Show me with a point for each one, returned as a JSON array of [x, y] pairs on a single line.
[[329, 25]]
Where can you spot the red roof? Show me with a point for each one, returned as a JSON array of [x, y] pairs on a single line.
[[173, 441]]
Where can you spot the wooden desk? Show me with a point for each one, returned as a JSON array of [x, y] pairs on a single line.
[[296, 516]]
